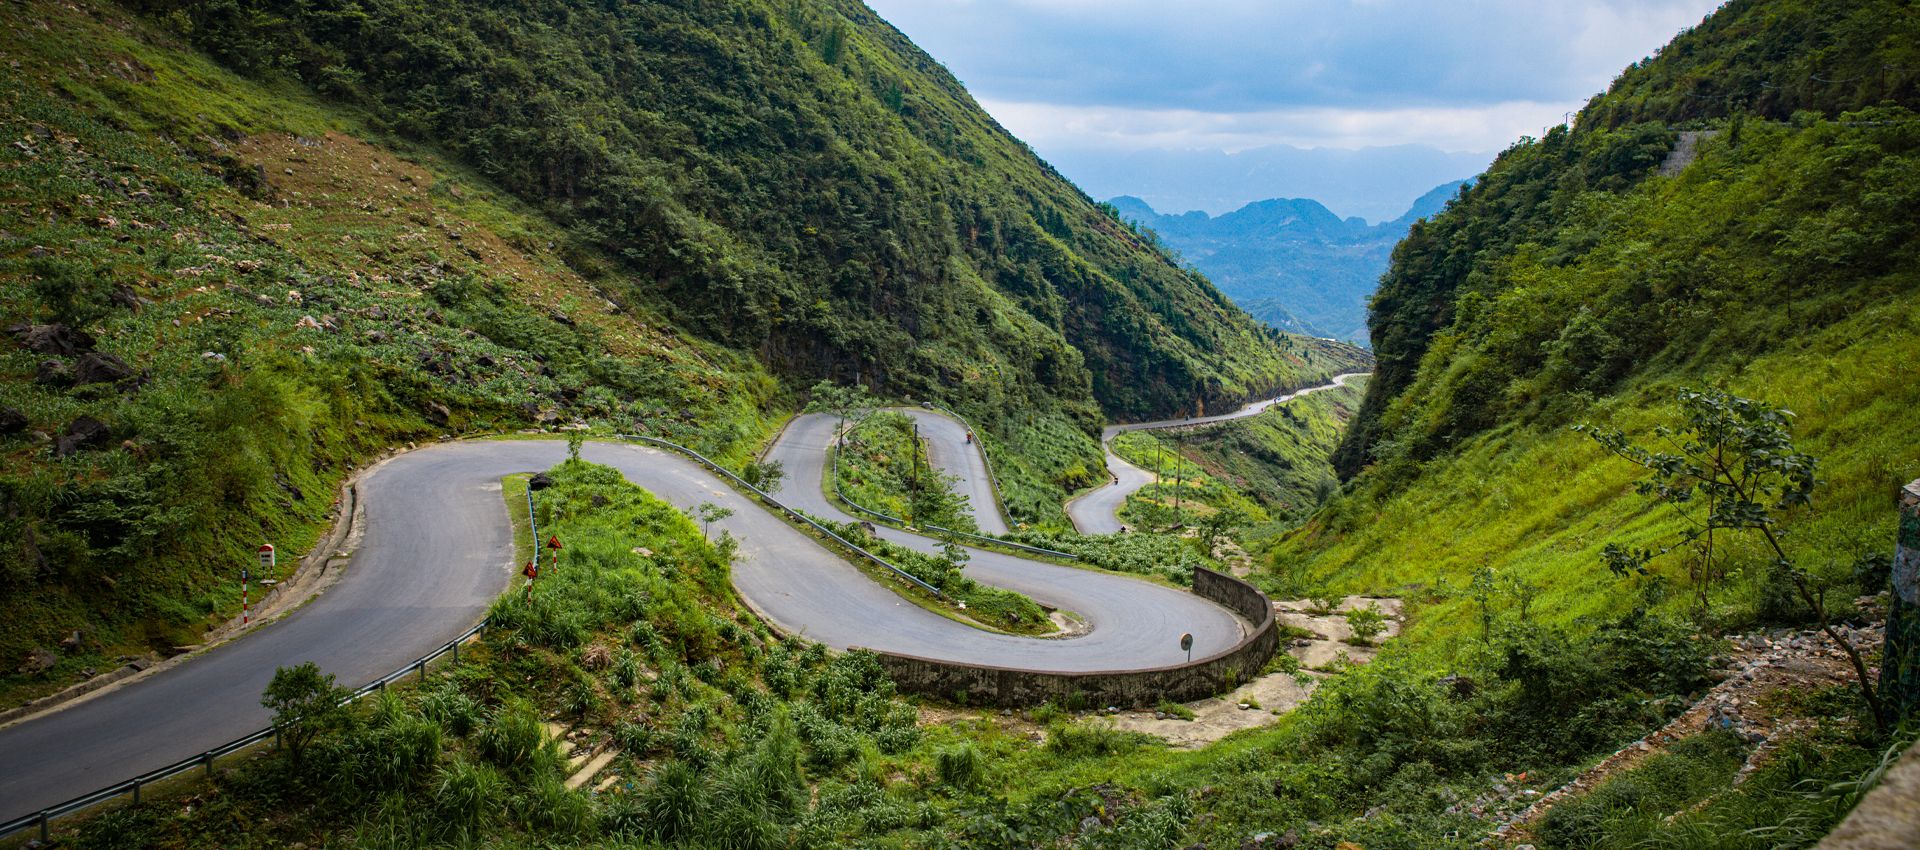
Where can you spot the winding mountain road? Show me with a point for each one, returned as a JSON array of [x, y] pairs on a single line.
[[436, 552], [1097, 511]]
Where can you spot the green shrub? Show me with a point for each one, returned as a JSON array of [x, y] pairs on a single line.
[[1090, 740], [960, 768]]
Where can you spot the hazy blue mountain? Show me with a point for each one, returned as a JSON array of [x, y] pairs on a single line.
[[1290, 262], [1373, 183]]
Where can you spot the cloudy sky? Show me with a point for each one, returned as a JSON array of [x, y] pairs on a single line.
[[1232, 75]]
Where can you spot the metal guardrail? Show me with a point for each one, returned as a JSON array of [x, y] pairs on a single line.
[[797, 516], [889, 518], [206, 759]]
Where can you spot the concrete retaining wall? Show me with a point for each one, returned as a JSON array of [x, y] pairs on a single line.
[[980, 684]]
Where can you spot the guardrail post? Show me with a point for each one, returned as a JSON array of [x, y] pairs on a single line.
[[206, 758], [43, 826], [136, 792], [421, 668]]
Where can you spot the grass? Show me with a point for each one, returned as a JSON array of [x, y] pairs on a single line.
[[654, 654], [441, 291], [1536, 504]]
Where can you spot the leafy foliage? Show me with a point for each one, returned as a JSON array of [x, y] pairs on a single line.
[[306, 704], [1737, 456]]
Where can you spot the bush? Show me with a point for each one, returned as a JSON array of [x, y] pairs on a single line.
[[960, 768], [1090, 740], [306, 704], [1366, 623]]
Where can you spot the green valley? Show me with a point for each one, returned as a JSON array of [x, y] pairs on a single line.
[[579, 357]]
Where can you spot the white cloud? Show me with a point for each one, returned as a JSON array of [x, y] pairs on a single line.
[[1118, 128]]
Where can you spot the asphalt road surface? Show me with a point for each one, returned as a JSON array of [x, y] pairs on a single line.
[[1097, 511], [436, 552]]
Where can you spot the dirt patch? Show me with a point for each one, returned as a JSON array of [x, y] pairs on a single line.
[[1262, 701]]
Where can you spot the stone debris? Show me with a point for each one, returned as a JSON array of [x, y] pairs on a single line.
[[1760, 663]]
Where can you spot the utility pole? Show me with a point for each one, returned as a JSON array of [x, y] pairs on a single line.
[[1179, 519], [913, 494]]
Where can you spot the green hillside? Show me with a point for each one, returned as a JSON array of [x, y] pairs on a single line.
[[1575, 284], [794, 179], [249, 248]]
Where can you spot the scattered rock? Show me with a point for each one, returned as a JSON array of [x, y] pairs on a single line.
[[287, 484], [13, 421], [124, 296], [53, 373], [436, 413], [376, 337], [598, 500], [83, 433], [39, 660], [213, 357], [540, 481], [53, 339], [1458, 687], [96, 367], [72, 643], [307, 323]]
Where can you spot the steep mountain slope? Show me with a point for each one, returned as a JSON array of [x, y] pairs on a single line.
[[227, 288], [795, 179], [1290, 262], [1573, 284]]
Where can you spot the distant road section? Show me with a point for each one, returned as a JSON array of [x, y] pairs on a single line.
[[1097, 511]]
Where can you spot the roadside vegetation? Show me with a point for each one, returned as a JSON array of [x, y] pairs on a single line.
[[222, 302], [1548, 619], [883, 466], [637, 643], [255, 247]]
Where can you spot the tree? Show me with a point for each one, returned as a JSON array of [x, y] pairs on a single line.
[[1219, 524], [764, 475], [1733, 468], [305, 704], [709, 513], [1366, 623], [852, 402]]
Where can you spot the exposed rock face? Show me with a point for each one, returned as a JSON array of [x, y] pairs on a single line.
[[55, 339], [39, 661], [99, 368], [84, 433], [53, 373]]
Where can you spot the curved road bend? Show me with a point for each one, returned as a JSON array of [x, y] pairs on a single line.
[[949, 450], [1152, 616], [1097, 511], [436, 552]]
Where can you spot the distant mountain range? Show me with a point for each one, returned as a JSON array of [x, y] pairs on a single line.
[[1373, 183], [1290, 262]]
